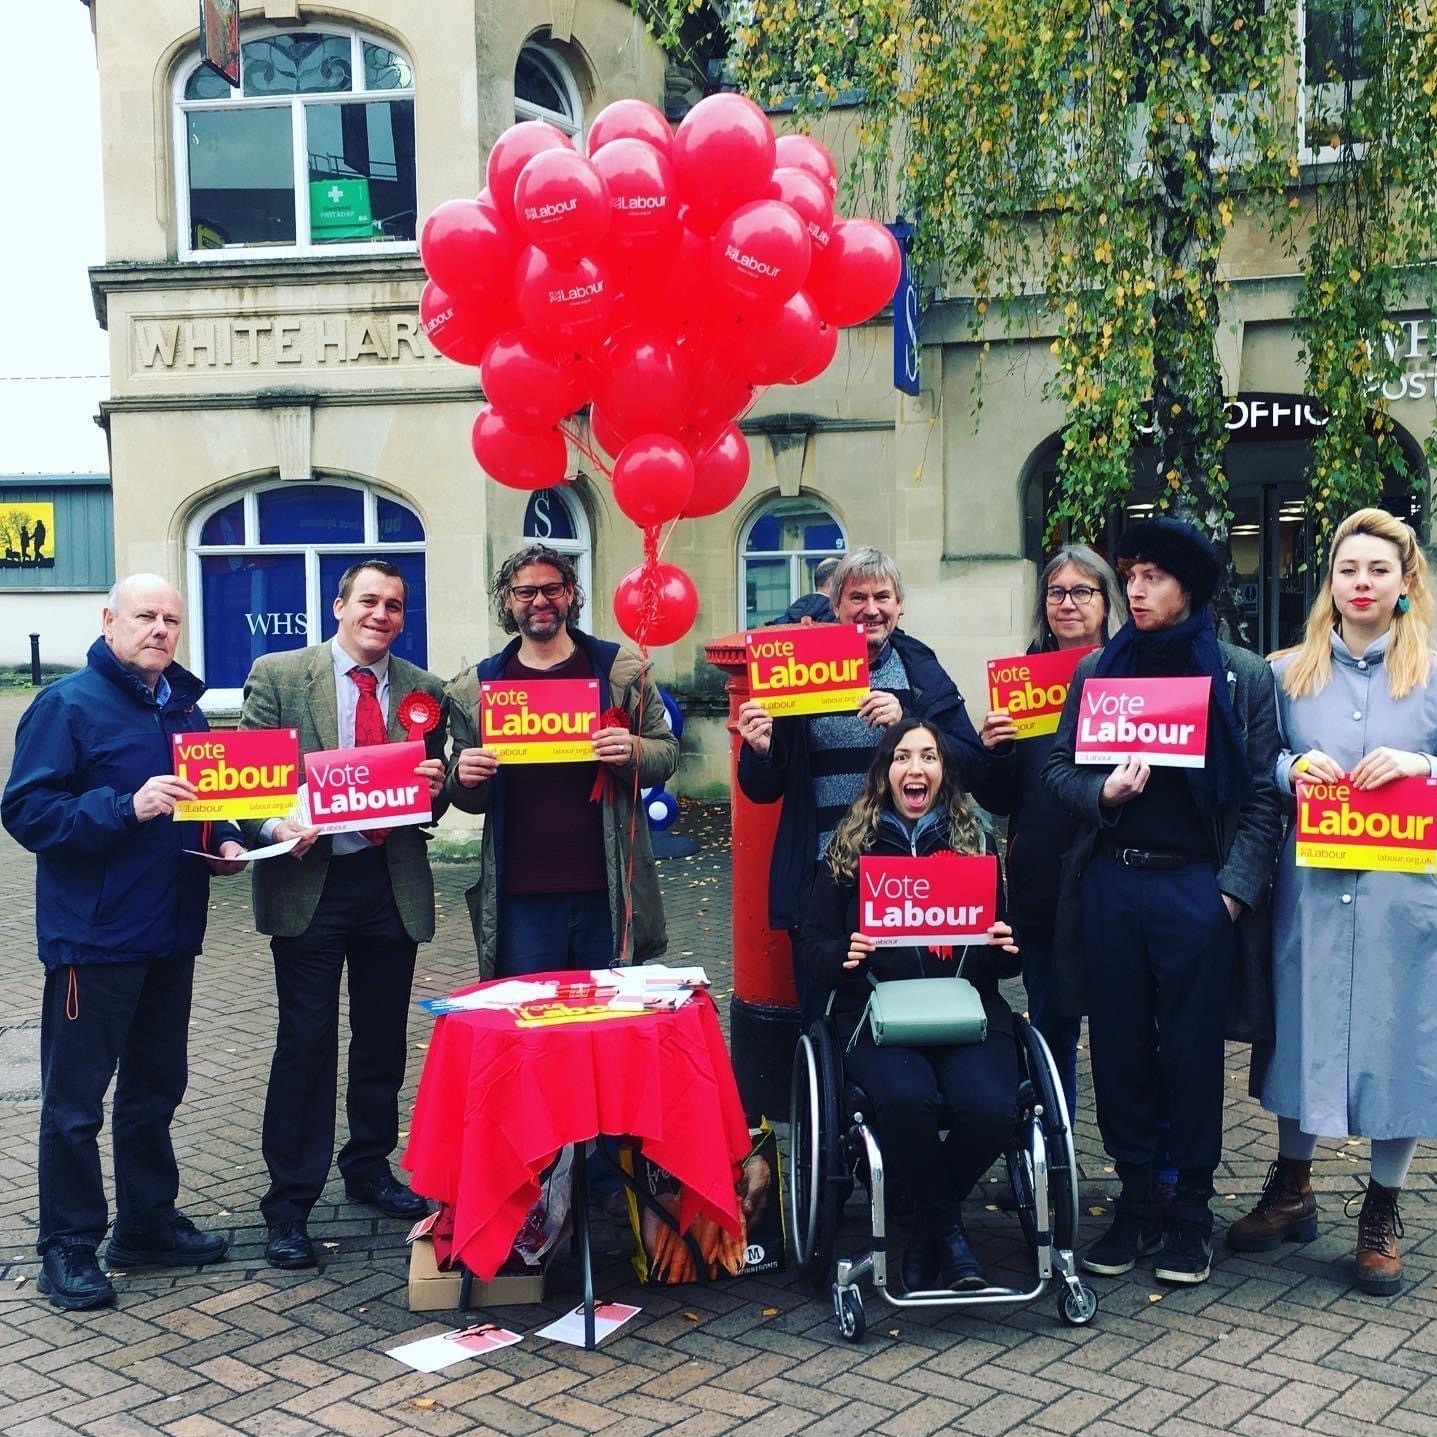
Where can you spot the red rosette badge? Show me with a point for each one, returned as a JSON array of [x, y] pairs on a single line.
[[419, 713], [615, 717]]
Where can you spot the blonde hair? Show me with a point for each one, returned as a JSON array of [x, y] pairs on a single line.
[[1409, 656], [857, 828]]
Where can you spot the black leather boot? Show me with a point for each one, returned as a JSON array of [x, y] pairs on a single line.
[[958, 1265]]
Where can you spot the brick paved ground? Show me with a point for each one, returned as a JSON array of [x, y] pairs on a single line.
[[1271, 1345]]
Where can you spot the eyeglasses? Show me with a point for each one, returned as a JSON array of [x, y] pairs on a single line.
[[1079, 593], [527, 593]]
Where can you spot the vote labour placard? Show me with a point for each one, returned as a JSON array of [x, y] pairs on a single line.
[[1161, 721], [539, 721], [1033, 688], [1393, 828], [946, 898], [373, 787], [249, 773], [808, 668]]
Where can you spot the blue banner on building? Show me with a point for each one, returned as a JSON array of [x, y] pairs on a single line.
[[907, 315]]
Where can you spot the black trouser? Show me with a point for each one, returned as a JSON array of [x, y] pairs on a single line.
[[98, 1019], [1158, 954], [909, 1089], [356, 926]]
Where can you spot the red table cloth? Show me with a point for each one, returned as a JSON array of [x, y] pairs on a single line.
[[503, 1090]]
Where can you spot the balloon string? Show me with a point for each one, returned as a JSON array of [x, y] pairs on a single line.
[[587, 450], [649, 593]]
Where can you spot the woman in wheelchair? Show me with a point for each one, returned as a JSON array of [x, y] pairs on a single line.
[[913, 804]]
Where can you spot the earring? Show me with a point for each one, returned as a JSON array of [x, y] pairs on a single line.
[[1403, 603]]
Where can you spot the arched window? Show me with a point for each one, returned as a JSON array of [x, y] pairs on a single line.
[[556, 518], [544, 88], [783, 544], [265, 567], [314, 152]]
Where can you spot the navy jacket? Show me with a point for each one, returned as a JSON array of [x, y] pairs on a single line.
[[108, 888], [813, 606], [784, 774]]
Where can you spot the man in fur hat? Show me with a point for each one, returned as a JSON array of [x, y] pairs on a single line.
[[1169, 861]]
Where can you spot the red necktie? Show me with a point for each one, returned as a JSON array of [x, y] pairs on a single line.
[[369, 727]]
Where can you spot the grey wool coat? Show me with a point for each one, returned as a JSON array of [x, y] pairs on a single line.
[[1354, 954]]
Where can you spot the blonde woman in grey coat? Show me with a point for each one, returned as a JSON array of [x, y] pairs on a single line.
[[1355, 985]]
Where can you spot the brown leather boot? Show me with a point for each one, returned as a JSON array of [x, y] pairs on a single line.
[[1286, 1211], [1379, 1264]]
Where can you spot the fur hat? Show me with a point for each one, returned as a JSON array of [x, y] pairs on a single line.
[[1182, 550]]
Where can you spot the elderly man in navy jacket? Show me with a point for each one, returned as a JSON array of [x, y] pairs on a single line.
[[120, 912]]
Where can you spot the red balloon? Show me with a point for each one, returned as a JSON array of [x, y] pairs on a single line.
[[517, 459], [467, 248], [720, 472], [532, 388], [770, 352], [561, 300], [718, 397], [824, 348], [644, 213], [810, 199], [653, 479], [512, 151], [723, 157], [643, 381], [609, 437], [460, 331], [803, 152], [857, 274], [761, 252], [659, 612], [561, 204], [630, 120]]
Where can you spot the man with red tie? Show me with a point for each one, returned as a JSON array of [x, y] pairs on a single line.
[[356, 901]]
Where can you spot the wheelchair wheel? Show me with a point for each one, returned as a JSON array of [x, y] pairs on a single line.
[[848, 1308], [814, 1147], [1078, 1308], [1041, 1086]]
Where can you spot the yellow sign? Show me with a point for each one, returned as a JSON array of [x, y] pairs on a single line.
[[27, 532]]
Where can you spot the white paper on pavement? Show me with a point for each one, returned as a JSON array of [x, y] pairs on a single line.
[[608, 1317], [252, 855], [434, 1354]]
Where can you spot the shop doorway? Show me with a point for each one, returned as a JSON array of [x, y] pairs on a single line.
[[1268, 453]]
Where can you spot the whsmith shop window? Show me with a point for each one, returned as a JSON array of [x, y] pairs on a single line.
[[544, 88], [556, 518], [313, 153], [265, 567], [785, 542]]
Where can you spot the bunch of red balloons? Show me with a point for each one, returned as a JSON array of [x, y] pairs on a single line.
[[660, 279]]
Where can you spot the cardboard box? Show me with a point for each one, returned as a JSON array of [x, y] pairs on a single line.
[[433, 1291]]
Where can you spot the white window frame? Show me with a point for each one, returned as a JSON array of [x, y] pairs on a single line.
[[795, 557], [304, 245], [316, 603], [549, 59], [581, 547], [1323, 154]]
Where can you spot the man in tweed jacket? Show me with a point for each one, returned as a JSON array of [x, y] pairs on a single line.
[[341, 901]]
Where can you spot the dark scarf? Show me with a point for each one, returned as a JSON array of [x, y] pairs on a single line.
[[1190, 647]]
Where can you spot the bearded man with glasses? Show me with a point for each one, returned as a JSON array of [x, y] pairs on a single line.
[[564, 882]]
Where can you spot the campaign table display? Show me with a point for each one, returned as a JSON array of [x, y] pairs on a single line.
[[503, 1089]]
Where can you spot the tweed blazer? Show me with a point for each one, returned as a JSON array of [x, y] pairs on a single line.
[[296, 690]]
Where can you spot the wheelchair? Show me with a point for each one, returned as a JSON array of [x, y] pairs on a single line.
[[832, 1147]]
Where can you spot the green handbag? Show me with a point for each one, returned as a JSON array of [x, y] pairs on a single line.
[[923, 1012]]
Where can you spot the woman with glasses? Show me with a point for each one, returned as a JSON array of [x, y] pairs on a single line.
[[1080, 605], [1354, 983]]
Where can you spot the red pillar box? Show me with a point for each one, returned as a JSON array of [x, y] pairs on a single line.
[[763, 1014]]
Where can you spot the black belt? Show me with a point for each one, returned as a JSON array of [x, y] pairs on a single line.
[[1146, 857]]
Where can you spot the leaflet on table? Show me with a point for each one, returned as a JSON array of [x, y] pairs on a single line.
[[946, 898], [347, 789], [434, 1354], [608, 1317], [1033, 688], [251, 855], [246, 773], [807, 669], [554, 999], [549, 721], [1392, 828], [1161, 721]]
